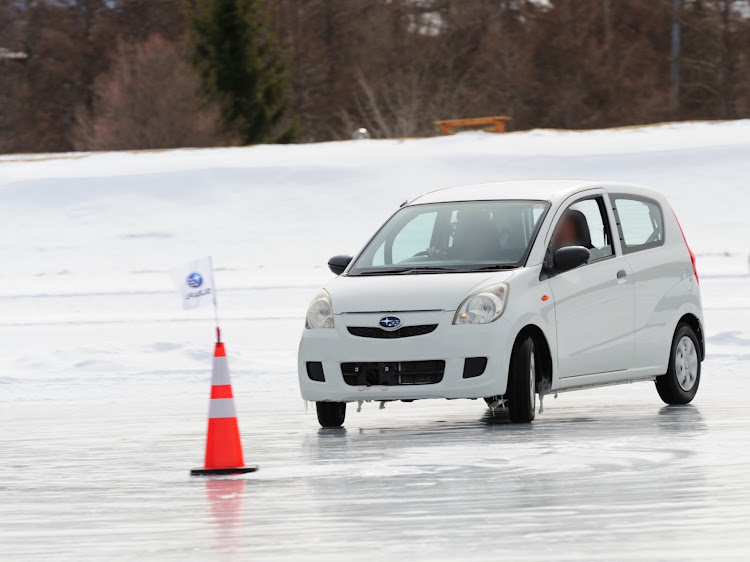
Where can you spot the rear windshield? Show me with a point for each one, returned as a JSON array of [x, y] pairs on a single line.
[[456, 236]]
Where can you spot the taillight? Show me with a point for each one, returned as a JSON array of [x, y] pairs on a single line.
[[692, 255]]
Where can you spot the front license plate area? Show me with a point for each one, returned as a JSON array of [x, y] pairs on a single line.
[[393, 373]]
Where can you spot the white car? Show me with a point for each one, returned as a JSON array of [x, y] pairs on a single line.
[[505, 290]]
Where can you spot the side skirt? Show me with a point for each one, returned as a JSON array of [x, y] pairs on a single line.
[[580, 385]]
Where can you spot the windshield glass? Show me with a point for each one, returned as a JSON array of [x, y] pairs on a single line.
[[456, 236]]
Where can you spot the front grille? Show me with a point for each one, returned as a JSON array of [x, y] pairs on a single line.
[[405, 332], [393, 374]]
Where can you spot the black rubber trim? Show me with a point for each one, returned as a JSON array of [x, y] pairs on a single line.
[[222, 471]]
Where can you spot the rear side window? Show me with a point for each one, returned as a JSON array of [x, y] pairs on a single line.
[[641, 223]]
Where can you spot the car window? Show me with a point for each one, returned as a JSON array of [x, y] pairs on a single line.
[[587, 226], [641, 223], [455, 236], [414, 237]]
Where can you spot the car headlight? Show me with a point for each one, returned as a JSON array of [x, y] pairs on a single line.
[[320, 312], [484, 306]]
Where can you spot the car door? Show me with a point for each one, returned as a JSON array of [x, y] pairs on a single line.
[[658, 272], [595, 303]]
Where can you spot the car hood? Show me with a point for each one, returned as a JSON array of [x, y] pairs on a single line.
[[398, 293]]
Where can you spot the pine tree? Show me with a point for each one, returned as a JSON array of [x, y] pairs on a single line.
[[243, 67]]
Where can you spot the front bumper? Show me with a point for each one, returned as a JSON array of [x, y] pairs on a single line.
[[449, 343]]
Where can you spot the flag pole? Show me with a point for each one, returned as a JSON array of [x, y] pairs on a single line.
[[216, 306]]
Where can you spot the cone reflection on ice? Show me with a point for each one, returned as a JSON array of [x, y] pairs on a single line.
[[223, 445], [225, 502]]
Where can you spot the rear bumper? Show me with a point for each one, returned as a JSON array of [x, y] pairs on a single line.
[[449, 343]]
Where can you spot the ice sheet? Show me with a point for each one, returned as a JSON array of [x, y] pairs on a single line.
[[104, 380]]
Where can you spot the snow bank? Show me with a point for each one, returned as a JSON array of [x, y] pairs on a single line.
[[271, 215]]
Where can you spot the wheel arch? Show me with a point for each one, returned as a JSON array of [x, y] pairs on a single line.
[[693, 321], [543, 352]]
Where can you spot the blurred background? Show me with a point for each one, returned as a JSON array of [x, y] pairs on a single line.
[[144, 74]]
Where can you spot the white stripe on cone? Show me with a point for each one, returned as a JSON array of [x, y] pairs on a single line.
[[222, 408], [220, 375]]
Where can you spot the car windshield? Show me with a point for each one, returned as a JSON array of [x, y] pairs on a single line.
[[456, 236]]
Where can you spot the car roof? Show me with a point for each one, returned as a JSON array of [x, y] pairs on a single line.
[[538, 190]]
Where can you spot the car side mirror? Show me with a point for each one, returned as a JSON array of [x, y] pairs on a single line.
[[570, 257], [337, 264]]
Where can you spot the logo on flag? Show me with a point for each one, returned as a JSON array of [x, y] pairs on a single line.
[[195, 281]]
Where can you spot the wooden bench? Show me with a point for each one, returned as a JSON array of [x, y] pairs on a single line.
[[498, 124]]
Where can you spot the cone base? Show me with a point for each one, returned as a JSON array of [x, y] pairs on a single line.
[[222, 471]]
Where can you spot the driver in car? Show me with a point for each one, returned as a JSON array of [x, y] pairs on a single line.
[[572, 230]]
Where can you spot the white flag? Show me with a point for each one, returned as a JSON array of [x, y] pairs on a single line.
[[195, 281]]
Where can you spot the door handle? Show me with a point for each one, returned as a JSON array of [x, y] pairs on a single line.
[[622, 274]]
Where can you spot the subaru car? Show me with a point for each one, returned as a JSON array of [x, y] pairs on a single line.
[[507, 292]]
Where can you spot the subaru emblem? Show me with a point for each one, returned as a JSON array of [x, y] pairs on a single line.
[[194, 280], [390, 322]]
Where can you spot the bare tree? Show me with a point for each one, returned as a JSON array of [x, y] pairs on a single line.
[[393, 66], [149, 99]]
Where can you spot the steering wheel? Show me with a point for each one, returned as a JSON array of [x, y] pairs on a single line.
[[423, 253]]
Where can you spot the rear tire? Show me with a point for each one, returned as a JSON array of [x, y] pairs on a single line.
[[680, 383], [331, 414], [521, 392]]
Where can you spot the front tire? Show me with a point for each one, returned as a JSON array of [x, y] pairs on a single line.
[[521, 392], [680, 383], [331, 414]]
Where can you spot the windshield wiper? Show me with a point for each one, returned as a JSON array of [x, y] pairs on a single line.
[[430, 269], [415, 270], [382, 272], [493, 267]]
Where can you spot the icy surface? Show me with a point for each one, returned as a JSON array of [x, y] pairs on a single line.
[[104, 380]]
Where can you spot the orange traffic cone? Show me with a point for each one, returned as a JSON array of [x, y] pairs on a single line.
[[223, 446]]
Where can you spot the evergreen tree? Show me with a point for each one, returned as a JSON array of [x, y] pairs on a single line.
[[243, 67]]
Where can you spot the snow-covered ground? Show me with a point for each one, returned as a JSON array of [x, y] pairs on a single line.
[[104, 379]]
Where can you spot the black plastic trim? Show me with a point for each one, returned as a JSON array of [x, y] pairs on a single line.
[[395, 373], [474, 367], [405, 332], [315, 371]]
